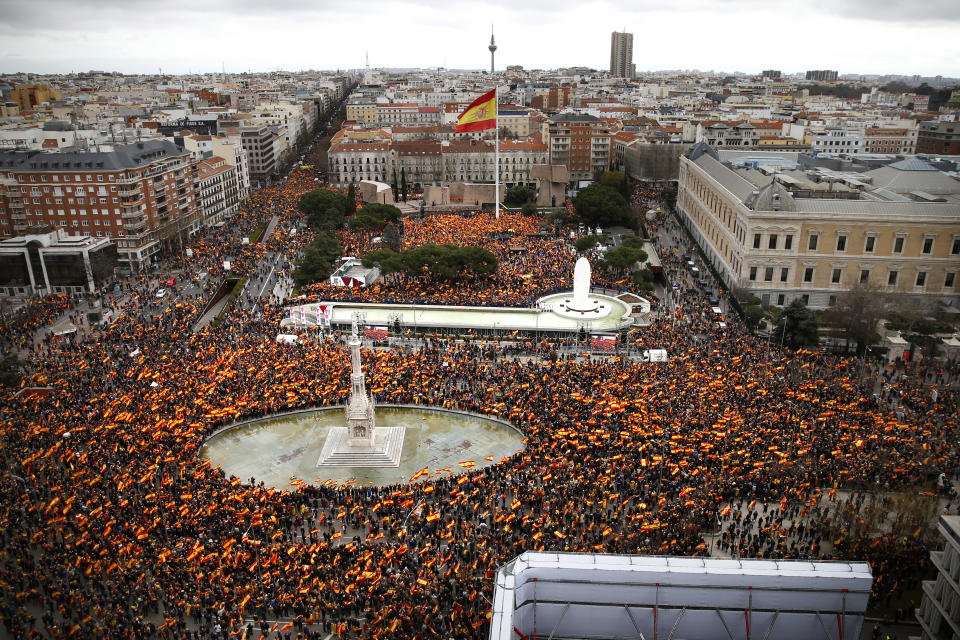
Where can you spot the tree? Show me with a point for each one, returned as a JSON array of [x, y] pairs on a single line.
[[391, 237], [393, 184], [351, 199], [623, 258], [403, 184], [518, 195], [599, 205], [10, 371], [437, 262], [586, 243], [385, 212], [644, 279], [618, 181], [796, 326], [528, 208], [316, 263], [857, 313], [324, 209]]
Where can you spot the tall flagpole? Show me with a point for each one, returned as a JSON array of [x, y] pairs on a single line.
[[496, 151]]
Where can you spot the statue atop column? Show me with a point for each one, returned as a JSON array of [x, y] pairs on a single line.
[[360, 408]]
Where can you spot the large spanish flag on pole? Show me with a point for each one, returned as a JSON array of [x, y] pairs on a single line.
[[480, 115]]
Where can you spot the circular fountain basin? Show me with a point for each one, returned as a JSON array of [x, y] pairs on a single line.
[[278, 450]]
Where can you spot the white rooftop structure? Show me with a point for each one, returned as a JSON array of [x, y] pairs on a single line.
[[574, 596]]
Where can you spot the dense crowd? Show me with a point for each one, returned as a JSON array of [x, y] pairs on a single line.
[[112, 527]]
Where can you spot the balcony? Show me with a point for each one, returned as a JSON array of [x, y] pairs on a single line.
[[132, 202], [133, 227], [128, 181], [133, 190], [15, 204]]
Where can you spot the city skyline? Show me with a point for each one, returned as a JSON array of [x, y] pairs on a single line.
[[58, 36]]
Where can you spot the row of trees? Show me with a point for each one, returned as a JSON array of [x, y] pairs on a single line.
[[856, 318], [435, 262]]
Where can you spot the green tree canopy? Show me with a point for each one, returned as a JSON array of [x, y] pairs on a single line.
[[316, 263], [518, 195], [796, 326], [446, 262], [586, 243], [600, 205], [619, 182], [325, 209]]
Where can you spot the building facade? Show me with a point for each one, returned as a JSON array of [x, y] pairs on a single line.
[[621, 54], [941, 138], [889, 140], [433, 162], [139, 195], [55, 262], [262, 158], [217, 191], [581, 142], [939, 612], [781, 244]]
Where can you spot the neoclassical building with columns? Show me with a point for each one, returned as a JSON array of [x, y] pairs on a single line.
[[783, 234]]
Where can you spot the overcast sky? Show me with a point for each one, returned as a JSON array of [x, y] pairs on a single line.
[[141, 36]]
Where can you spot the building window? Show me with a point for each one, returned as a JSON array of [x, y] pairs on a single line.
[[768, 274], [805, 298], [955, 248], [948, 280], [772, 244], [835, 276], [753, 273], [892, 278], [784, 273], [898, 244], [864, 276], [921, 278], [832, 301], [841, 243], [812, 245], [781, 298], [871, 242], [756, 241], [788, 242], [808, 274], [927, 246]]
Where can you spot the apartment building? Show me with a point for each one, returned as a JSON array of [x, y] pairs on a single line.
[[581, 142], [355, 161], [890, 140], [217, 191], [838, 140], [940, 138], [780, 237], [621, 55], [435, 162], [140, 195], [939, 612], [259, 144]]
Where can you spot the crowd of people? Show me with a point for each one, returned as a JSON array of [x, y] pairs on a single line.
[[111, 526]]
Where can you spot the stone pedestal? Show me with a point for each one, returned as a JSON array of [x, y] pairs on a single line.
[[383, 450]]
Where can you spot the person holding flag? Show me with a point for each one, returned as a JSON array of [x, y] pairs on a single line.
[[480, 115]]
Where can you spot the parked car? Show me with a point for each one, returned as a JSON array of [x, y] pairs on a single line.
[[161, 293]]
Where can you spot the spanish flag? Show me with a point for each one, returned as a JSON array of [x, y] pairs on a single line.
[[480, 115]]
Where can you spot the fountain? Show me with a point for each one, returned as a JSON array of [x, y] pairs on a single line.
[[581, 305]]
